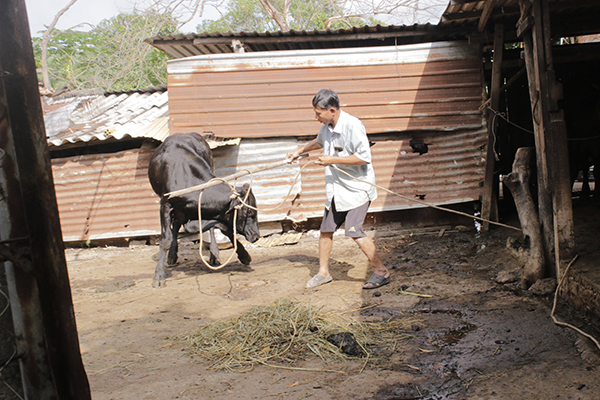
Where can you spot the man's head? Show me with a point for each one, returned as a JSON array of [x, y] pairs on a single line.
[[327, 107]]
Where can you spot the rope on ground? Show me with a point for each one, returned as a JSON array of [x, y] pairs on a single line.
[[556, 321]]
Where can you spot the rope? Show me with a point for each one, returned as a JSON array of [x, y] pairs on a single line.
[[245, 204], [428, 204], [234, 194], [562, 279], [556, 321]]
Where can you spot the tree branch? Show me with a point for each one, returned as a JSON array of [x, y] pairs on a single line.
[[45, 40]]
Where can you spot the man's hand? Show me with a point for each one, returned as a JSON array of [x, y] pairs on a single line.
[[292, 155], [327, 160]]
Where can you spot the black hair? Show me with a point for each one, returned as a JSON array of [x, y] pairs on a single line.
[[326, 98]]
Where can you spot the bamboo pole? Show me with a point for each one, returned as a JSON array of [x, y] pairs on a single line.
[[218, 181]]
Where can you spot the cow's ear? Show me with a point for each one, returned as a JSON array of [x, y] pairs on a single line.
[[232, 204]]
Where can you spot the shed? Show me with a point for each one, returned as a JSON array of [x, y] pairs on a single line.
[[486, 28], [419, 103], [100, 145]]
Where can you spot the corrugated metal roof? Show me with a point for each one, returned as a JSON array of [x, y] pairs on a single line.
[[180, 46], [459, 21], [89, 118]]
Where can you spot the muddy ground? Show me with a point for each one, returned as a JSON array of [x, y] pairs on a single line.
[[473, 339]]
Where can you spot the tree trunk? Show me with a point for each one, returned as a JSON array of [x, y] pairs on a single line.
[[518, 183], [45, 40]]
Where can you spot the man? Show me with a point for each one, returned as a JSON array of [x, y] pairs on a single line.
[[345, 146]]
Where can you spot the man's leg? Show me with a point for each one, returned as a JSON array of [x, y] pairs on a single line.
[[368, 247], [325, 245]]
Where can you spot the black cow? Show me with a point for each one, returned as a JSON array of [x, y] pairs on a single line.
[[184, 160]]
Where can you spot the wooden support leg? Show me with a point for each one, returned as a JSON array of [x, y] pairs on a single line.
[[518, 183]]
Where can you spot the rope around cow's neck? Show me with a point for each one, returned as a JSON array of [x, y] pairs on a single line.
[[235, 194]]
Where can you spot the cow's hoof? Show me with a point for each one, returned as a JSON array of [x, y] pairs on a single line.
[[246, 260], [159, 283], [171, 261]]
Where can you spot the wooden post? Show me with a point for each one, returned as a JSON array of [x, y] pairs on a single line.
[[489, 203], [33, 249], [539, 107], [518, 183], [549, 129]]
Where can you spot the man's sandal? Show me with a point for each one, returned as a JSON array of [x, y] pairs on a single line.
[[318, 280], [376, 281]]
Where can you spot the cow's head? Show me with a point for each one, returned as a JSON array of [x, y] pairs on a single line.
[[247, 218]]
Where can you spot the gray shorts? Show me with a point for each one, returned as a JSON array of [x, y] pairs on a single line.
[[354, 219]]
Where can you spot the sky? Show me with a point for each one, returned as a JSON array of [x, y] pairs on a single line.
[[42, 12]]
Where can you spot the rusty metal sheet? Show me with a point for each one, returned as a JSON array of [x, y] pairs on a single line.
[[270, 187], [106, 196], [450, 172], [391, 89]]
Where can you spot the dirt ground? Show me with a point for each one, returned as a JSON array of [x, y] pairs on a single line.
[[473, 339]]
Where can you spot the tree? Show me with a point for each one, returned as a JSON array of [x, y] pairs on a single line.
[[112, 56], [44, 45], [275, 15], [285, 15]]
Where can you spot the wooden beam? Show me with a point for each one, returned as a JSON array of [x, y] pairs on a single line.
[[485, 14], [524, 26], [46, 337], [489, 204]]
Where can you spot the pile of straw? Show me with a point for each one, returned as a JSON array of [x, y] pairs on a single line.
[[283, 333]]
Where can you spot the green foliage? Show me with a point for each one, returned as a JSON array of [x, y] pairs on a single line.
[[250, 16], [112, 56]]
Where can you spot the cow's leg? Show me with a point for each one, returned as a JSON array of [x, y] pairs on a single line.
[[242, 254], [173, 248], [166, 237], [214, 249]]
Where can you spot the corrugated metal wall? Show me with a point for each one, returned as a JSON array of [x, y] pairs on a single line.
[[431, 86], [429, 92], [106, 196], [271, 186], [450, 172]]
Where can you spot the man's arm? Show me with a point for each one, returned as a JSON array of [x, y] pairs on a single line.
[[346, 160], [312, 145]]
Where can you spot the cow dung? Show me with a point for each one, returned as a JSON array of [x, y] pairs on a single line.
[[346, 342]]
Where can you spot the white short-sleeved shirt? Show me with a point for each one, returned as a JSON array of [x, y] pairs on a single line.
[[347, 138]]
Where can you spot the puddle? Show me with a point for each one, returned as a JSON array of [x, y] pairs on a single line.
[[453, 336]]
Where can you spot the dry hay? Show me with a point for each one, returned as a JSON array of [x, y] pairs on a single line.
[[287, 331]]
